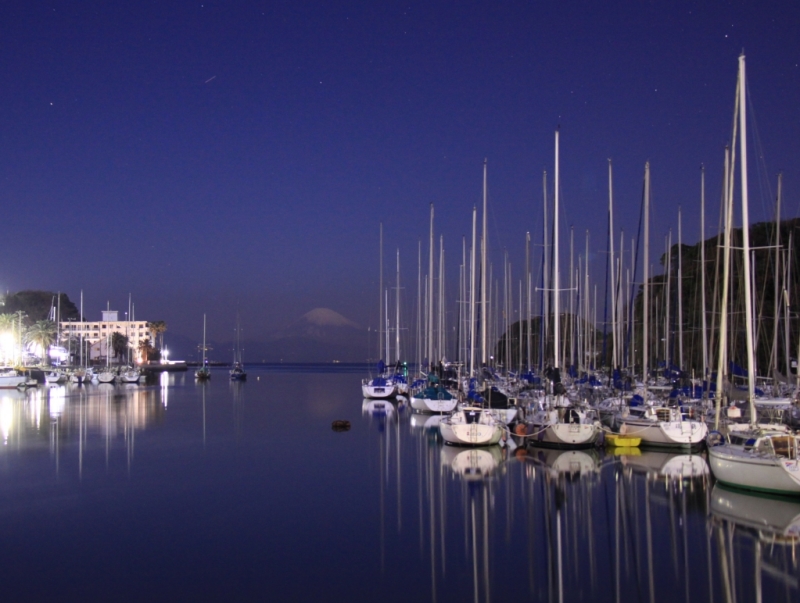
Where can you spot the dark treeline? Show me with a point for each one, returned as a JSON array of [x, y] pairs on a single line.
[[775, 279]]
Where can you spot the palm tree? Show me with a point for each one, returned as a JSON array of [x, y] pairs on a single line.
[[156, 328], [42, 333], [119, 343], [147, 351]]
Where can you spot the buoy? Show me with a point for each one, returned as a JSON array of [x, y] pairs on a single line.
[[623, 429], [520, 429], [341, 425]]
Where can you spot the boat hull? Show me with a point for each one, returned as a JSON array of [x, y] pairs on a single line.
[[734, 466], [470, 434], [12, 381], [670, 434], [429, 405], [377, 392], [565, 435]]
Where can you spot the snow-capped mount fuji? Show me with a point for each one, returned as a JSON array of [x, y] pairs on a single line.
[[321, 335]]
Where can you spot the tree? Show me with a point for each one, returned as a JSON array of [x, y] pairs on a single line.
[[42, 333], [119, 343], [156, 328], [37, 304], [147, 351]]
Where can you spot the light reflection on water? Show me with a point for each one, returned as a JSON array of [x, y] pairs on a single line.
[[559, 525], [225, 491]]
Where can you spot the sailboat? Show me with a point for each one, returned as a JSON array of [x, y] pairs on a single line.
[[755, 459], [107, 375], [203, 373], [557, 422], [237, 371]]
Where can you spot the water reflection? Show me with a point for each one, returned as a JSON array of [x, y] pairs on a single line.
[[758, 538], [574, 525], [64, 415]]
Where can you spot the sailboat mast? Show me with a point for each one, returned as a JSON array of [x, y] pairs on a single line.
[[472, 294], [748, 301], [556, 281], [775, 278], [726, 263], [440, 335], [527, 300], [646, 276], [429, 335], [680, 292], [614, 357], [419, 304], [704, 334], [571, 329], [484, 313], [81, 319], [397, 312], [380, 295]]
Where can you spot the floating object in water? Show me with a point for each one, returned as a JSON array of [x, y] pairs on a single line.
[[622, 441], [341, 425]]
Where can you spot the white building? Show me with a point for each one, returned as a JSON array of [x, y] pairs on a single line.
[[96, 334]]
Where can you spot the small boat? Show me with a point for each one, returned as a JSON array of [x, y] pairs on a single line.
[[434, 398], [663, 426], [237, 372], [561, 424], [55, 377], [130, 375], [471, 426], [764, 461], [106, 376], [203, 373], [615, 440], [11, 379]]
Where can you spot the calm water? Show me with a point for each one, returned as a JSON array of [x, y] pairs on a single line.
[[242, 492]]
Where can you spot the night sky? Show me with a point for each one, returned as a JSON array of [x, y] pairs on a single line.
[[204, 156]]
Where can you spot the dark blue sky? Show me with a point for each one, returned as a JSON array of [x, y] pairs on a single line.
[[200, 155]]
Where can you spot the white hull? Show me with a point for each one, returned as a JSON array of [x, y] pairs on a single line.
[[428, 405], [471, 427], [566, 435], [130, 376], [106, 377], [377, 392], [735, 466], [11, 381], [55, 378], [667, 433], [471, 435]]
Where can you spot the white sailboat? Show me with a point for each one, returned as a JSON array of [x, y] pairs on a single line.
[[203, 373], [660, 426], [10, 379], [755, 459], [474, 425], [471, 426], [557, 422]]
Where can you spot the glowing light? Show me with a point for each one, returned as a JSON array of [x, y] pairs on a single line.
[[6, 419]]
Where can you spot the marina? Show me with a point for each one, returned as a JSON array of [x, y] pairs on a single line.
[[227, 490]]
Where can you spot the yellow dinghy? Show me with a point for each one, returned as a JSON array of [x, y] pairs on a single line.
[[622, 441]]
